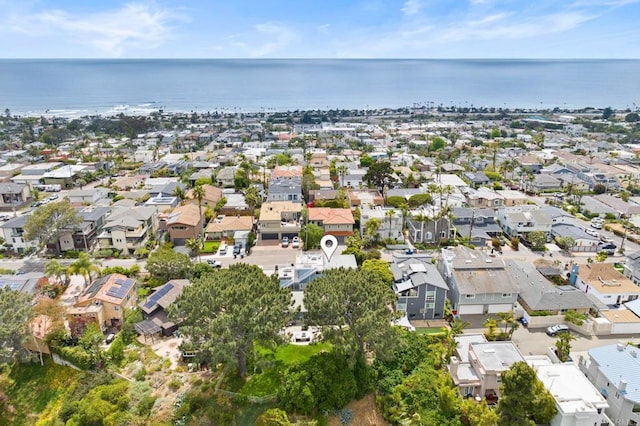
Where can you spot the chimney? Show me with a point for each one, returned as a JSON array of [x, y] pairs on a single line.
[[622, 387]]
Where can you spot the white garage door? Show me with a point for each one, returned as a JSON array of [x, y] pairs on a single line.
[[470, 309], [505, 307]]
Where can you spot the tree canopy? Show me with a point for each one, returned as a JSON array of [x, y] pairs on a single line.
[[226, 312], [353, 307], [379, 174], [523, 398], [380, 268], [46, 224], [165, 264], [15, 313], [310, 235]]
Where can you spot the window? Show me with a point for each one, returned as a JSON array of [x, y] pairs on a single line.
[[506, 294], [470, 296], [116, 308], [431, 305], [431, 296], [179, 228], [402, 307]]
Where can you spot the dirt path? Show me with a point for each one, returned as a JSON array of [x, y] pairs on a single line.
[[365, 413]]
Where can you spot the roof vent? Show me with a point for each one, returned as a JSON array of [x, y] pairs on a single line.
[[620, 347], [634, 354]]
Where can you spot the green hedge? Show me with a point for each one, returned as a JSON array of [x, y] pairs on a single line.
[[77, 356]]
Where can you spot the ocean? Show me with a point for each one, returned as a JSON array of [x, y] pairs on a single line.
[[70, 87]]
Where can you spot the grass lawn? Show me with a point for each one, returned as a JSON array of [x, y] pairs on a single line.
[[429, 330], [268, 381], [210, 247], [36, 389]]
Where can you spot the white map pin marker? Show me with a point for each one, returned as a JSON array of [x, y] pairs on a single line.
[[329, 245]]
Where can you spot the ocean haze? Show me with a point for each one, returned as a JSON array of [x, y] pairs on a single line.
[[79, 87]]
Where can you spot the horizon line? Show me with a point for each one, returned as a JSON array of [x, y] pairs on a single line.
[[317, 59]]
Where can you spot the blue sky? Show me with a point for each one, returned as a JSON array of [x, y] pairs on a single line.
[[320, 29]]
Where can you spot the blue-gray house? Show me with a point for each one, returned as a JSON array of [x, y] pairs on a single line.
[[421, 290]]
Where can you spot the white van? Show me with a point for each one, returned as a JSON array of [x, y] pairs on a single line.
[[597, 222], [223, 249]]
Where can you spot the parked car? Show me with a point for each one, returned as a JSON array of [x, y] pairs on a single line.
[[608, 248], [110, 338], [295, 242], [214, 263], [237, 249], [285, 241], [605, 239], [558, 328], [592, 232], [596, 225], [223, 249]]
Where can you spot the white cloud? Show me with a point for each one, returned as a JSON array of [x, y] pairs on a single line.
[[411, 7], [111, 33], [277, 38]]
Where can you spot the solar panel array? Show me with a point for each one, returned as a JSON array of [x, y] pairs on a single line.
[[159, 294], [119, 291]]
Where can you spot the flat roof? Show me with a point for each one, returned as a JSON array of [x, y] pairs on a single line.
[[496, 356], [572, 391]]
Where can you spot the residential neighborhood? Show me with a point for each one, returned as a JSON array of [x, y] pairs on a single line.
[[492, 227]]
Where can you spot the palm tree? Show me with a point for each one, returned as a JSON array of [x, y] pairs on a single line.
[[491, 324], [508, 319], [342, 172], [195, 245], [84, 266], [390, 214], [179, 193], [198, 193], [53, 268], [371, 228]]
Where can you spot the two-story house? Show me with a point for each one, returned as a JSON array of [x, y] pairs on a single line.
[[14, 195], [604, 282], [632, 267], [13, 234], [103, 302], [578, 401], [421, 290], [484, 198], [184, 223], [615, 371], [520, 220], [478, 283], [390, 222], [476, 178], [84, 236], [477, 225], [336, 222], [128, 229], [279, 219], [285, 189], [477, 366]]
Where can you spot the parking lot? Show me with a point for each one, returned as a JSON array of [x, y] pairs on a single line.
[[266, 256]]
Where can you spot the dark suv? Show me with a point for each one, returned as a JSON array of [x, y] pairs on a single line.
[[237, 249]]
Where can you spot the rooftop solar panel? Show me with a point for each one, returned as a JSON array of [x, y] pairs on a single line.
[[159, 294]]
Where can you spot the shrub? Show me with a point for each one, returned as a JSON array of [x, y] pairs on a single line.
[[273, 417], [77, 356], [174, 385], [140, 374]]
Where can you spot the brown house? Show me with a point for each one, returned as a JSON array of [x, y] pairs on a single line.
[[104, 302], [183, 223], [225, 226], [211, 196]]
